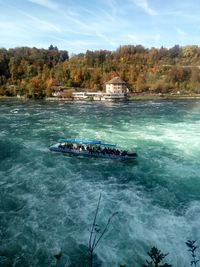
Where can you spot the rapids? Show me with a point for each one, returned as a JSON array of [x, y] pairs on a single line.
[[48, 200]]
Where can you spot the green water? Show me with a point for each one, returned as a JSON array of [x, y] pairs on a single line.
[[48, 200]]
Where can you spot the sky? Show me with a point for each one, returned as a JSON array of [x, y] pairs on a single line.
[[81, 25]]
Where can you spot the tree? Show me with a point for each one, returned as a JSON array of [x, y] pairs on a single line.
[[195, 80], [63, 56], [156, 258], [192, 248], [174, 51], [143, 69], [141, 85], [53, 48]]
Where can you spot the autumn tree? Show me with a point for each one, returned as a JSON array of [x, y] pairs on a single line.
[[156, 70]]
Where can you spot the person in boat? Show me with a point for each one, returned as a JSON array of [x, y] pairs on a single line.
[[90, 149], [99, 149], [104, 151], [61, 146], [93, 149], [124, 153], [117, 152]]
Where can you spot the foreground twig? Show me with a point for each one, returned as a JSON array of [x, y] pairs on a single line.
[[96, 234]]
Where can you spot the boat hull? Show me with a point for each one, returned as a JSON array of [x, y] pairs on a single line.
[[85, 153]]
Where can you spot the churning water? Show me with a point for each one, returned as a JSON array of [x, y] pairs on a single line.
[[48, 200]]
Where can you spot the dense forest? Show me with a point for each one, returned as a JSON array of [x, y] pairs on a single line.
[[33, 72]]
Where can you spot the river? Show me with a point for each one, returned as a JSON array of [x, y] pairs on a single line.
[[48, 200]]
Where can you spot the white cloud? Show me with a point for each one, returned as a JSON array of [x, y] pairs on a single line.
[[145, 6], [45, 3]]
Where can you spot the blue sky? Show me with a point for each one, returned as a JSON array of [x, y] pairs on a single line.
[[80, 25]]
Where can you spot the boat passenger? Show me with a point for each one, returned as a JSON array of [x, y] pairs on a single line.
[[124, 153], [61, 146], [117, 152]]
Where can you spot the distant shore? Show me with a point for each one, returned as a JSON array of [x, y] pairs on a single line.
[[163, 96], [130, 98]]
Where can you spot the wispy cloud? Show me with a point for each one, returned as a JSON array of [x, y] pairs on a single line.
[[73, 47], [96, 25], [113, 6], [145, 6], [42, 24], [108, 40], [9, 26], [180, 32], [144, 39], [45, 3], [104, 24]]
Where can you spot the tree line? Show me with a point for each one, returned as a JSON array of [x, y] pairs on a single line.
[[33, 72]]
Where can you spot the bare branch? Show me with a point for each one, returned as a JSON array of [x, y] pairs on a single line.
[[105, 229], [95, 234], [94, 223]]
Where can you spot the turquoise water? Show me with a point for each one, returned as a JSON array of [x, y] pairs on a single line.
[[48, 200]]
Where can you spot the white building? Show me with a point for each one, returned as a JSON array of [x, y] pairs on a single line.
[[116, 89], [116, 85]]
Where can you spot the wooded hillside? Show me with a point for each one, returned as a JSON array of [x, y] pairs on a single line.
[[32, 72]]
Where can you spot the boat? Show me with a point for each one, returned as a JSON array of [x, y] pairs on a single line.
[[91, 149]]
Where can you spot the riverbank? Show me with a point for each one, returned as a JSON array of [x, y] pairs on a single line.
[[130, 98], [163, 97]]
